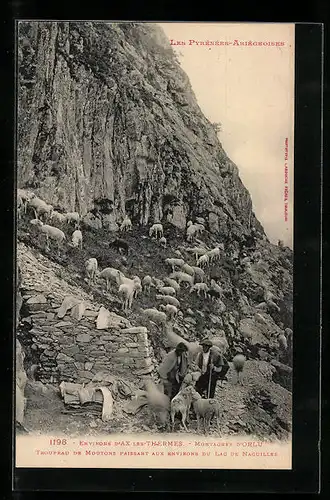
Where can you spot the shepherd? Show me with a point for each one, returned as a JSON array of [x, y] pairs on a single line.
[[173, 369], [213, 366]]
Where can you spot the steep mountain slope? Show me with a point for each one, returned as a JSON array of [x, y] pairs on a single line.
[[107, 125]]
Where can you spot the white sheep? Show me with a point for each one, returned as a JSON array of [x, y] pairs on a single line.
[[77, 239], [25, 195], [168, 299], [126, 225], [199, 228], [180, 404], [214, 286], [214, 254], [174, 339], [174, 284], [91, 266], [146, 283], [163, 242], [199, 287], [239, 362], [205, 409], [198, 273], [72, 217], [203, 260], [174, 263], [109, 274], [157, 230], [170, 310], [189, 223], [158, 317], [138, 287], [191, 232], [181, 277], [126, 292], [57, 217], [50, 232], [158, 402], [166, 290], [157, 282], [40, 207], [188, 269]]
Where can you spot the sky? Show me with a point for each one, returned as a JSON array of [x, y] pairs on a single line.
[[250, 91]]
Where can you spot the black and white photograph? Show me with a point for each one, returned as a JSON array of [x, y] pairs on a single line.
[[154, 244]]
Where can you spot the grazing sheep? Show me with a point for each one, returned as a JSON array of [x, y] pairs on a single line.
[[213, 254], [157, 283], [191, 232], [166, 290], [138, 287], [188, 269], [40, 207], [156, 316], [50, 232], [180, 404], [109, 274], [174, 284], [91, 266], [239, 362], [199, 274], [72, 217], [158, 402], [199, 228], [163, 242], [146, 283], [77, 239], [57, 217], [199, 287], [168, 299], [203, 260], [126, 225], [170, 310], [205, 409], [181, 277], [127, 292], [174, 263], [157, 230], [119, 245], [197, 251]]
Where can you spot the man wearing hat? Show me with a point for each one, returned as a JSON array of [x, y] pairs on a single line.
[[173, 369], [212, 365]]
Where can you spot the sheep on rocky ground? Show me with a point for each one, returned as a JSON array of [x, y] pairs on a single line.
[[126, 293], [157, 282], [214, 286], [199, 228], [191, 232], [174, 284], [126, 225], [57, 217], [166, 290], [163, 242], [40, 207], [180, 404], [188, 269], [72, 217], [174, 339], [157, 230], [50, 232], [239, 362], [25, 195], [158, 402], [203, 260], [158, 317], [205, 410], [213, 254], [189, 223], [199, 287], [181, 277], [138, 287], [174, 263], [199, 274], [91, 266], [168, 299], [197, 251], [77, 239], [146, 283], [170, 310], [109, 274]]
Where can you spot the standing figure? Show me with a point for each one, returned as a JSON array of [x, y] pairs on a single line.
[[173, 369], [213, 366]]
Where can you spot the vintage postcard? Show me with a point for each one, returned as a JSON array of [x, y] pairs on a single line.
[[155, 243]]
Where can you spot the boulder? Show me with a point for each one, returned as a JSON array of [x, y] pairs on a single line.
[[107, 319]]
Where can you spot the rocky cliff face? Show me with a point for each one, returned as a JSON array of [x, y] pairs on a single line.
[[107, 119]]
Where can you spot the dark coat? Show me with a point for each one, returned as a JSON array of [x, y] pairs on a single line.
[[215, 357]]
